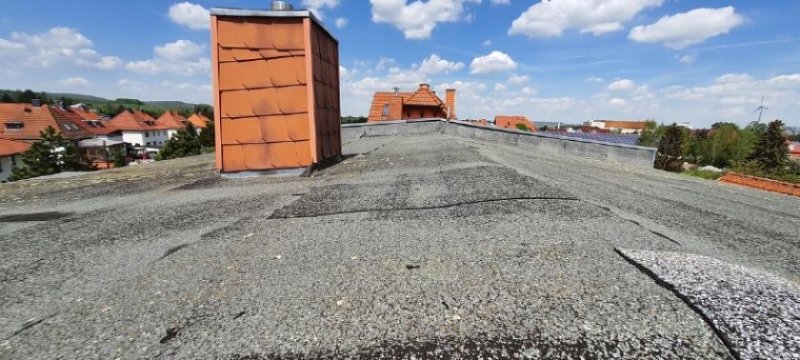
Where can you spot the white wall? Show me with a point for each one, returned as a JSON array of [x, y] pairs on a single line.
[[6, 167], [155, 138]]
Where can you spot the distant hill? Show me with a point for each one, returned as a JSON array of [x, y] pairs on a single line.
[[171, 104]]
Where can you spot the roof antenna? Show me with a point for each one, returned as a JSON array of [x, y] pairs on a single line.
[[396, 91]]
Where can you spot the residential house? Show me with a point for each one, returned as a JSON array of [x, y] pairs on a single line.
[[199, 122], [620, 126], [22, 124], [420, 104], [26, 121], [10, 151], [174, 122], [139, 129], [513, 122]]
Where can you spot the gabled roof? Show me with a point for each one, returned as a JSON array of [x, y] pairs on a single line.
[[423, 97], [135, 121], [13, 147], [75, 120], [33, 119], [86, 114], [199, 121], [172, 120], [511, 121]]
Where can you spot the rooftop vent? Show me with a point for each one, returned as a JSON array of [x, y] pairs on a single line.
[[36, 102], [280, 5]]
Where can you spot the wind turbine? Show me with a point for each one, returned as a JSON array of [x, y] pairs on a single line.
[[760, 110]]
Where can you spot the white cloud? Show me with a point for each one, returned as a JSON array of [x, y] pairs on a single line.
[[183, 57], [487, 43], [8, 46], [341, 22], [617, 102], [686, 59], [594, 79], [316, 6], [76, 81], [436, 65], [494, 62], [621, 84], [501, 2], [681, 30], [418, 19], [59, 46], [191, 15], [518, 79], [383, 63], [552, 18]]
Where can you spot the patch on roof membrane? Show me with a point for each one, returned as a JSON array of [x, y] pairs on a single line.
[[756, 314], [40, 216], [440, 189]]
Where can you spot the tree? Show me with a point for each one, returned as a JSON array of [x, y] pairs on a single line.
[[184, 143], [669, 152], [42, 158], [70, 159], [207, 136], [6, 99], [651, 135], [771, 151], [118, 157], [523, 127]]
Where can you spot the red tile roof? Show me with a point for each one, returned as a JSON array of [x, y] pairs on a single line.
[[13, 147], [511, 121], [407, 105], [31, 120], [138, 120], [199, 121], [172, 120]]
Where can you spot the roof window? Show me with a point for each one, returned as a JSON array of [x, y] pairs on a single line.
[[14, 125]]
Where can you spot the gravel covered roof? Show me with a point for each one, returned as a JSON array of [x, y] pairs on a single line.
[[426, 246]]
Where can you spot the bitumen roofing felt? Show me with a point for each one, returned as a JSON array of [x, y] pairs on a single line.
[[430, 246]]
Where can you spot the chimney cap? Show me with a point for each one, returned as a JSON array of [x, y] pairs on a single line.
[[424, 86], [281, 5]]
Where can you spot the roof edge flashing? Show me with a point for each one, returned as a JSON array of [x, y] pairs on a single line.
[[301, 13]]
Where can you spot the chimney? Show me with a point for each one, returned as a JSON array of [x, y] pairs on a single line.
[[36, 102], [424, 86], [450, 102], [396, 91], [265, 90]]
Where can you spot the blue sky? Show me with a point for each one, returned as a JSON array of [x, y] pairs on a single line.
[[564, 60]]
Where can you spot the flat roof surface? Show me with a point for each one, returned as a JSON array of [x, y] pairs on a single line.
[[426, 246]]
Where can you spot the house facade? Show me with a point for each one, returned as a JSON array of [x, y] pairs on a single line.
[[10, 156], [139, 129], [420, 104], [620, 126]]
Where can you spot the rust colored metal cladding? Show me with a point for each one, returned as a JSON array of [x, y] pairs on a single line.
[[276, 90]]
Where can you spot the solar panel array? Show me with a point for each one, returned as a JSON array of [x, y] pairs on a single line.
[[625, 139]]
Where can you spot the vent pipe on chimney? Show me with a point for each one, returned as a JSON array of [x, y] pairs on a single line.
[[280, 5]]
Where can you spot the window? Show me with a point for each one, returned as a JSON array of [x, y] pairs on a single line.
[[14, 125], [386, 110], [13, 161], [148, 143], [147, 134]]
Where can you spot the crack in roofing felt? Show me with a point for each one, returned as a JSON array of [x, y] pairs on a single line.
[[434, 207]]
